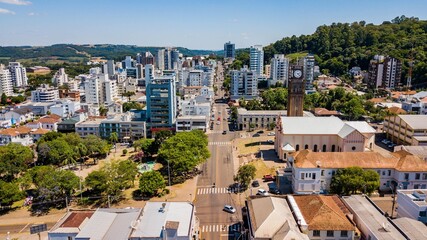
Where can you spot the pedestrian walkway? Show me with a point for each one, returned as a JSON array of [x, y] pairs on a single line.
[[215, 131], [221, 228], [211, 190], [219, 143]]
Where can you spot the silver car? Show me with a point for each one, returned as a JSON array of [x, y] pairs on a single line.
[[229, 208]]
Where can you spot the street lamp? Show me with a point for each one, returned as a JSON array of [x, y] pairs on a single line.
[[394, 200]]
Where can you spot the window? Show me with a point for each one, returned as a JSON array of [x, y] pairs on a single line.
[[423, 213], [297, 147], [322, 173], [424, 176], [313, 176], [383, 173], [406, 176], [306, 146], [333, 148], [343, 233], [389, 172], [302, 176], [315, 148], [316, 233], [324, 148], [417, 176], [353, 148], [329, 233], [416, 186]]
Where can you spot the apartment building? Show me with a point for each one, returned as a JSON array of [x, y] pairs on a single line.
[[45, 94], [256, 64], [406, 129], [244, 83], [18, 74], [229, 50], [413, 203], [5, 81]]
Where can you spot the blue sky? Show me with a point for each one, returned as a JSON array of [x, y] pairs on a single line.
[[202, 24]]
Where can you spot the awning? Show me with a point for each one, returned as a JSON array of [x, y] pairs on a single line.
[[288, 148]]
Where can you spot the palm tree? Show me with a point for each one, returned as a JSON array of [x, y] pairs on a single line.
[[114, 138], [69, 161]]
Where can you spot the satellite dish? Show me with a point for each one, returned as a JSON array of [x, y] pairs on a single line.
[[318, 164]]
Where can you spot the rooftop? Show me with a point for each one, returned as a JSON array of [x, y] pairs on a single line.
[[323, 212], [71, 222], [324, 111], [415, 121], [401, 160], [371, 218], [15, 131], [271, 218], [156, 215], [412, 228], [418, 196], [420, 151]]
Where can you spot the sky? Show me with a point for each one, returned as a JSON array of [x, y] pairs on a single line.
[[201, 24]]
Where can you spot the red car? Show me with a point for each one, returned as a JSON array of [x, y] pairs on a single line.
[[268, 178], [219, 119]]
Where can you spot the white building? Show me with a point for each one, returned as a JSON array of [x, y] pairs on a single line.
[[99, 89], [325, 134], [18, 74], [195, 78], [88, 127], [60, 78], [309, 64], [279, 69], [45, 94], [257, 119], [312, 172], [5, 81], [20, 135], [188, 123], [406, 129], [244, 83], [65, 108], [195, 107], [256, 59], [413, 203]]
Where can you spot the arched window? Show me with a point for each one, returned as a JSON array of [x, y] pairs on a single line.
[[324, 148], [306, 146], [333, 148], [315, 148], [297, 147]]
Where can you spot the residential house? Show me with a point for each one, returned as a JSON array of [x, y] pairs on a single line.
[[19, 115], [38, 133], [19, 135]]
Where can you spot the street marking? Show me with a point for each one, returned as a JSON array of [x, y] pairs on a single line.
[[210, 190], [24, 227], [221, 228], [219, 143]]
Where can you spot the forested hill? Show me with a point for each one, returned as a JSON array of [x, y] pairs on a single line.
[[65, 51], [341, 46]]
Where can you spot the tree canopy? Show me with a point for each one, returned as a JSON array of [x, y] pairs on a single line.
[[245, 175], [14, 159], [151, 182], [354, 179]]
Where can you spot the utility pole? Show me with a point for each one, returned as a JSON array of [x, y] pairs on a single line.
[[108, 199]]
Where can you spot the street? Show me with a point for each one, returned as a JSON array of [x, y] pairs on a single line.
[[212, 186]]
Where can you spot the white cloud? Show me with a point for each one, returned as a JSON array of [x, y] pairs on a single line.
[[33, 14], [16, 2], [5, 11]]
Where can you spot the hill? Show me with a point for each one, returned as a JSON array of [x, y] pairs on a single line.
[[340, 46], [78, 53]]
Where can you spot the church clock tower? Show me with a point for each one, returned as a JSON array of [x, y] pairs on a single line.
[[296, 91]]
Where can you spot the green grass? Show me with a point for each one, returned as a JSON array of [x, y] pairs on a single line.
[[298, 55]]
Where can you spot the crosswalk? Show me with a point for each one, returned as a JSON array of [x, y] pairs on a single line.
[[215, 131], [219, 143], [211, 190], [221, 228]]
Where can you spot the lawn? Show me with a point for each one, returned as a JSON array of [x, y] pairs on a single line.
[[262, 169], [250, 145]]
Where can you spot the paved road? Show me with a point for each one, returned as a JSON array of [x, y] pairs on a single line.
[[210, 199]]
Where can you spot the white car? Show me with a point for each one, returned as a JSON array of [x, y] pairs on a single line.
[[218, 123], [229, 208], [271, 134], [262, 192]]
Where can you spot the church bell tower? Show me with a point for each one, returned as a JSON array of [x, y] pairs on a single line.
[[296, 91]]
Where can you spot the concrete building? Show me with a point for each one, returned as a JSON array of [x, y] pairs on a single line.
[[412, 203], [166, 220], [125, 125], [384, 72], [371, 222], [89, 127], [267, 70], [18, 74], [256, 59], [161, 103], [257, 119], [244, 83], [99, 89], [325, 216], [273, 218], [229, 50], [69, 225], [279, 69], [5, 81], [312, 172], [195, 106], [45, 94], [20, 135], [147, 58], [18, 115], [406, 129], [60, 78], [322, 134], [195, 78], [188, 123], [413, 229], [309, 64], [65, 108]]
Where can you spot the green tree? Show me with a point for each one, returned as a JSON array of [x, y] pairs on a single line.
[[131, 105], [10, 193], [95, 145], [151, 182], [144, 144], [354, 179], [245, 175], [3, 99], [103, 111], [96, 181], [14, 159], [114, 138], [128, 95]]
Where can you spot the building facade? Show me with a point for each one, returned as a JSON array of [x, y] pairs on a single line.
[[406, 129], [279, 69], [257, 119], [5, 81], [296, 92], [229, 50], [384, 72], [244, 83], [45, 94], [18, 74], [412, 203], [256, 63]]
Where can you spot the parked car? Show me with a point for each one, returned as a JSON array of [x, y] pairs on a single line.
[[262, 192], [218, 122], [391, 145], [270, 141], [255, 183], [256, 135], [260, 131], [224, 132], [268, 178], [271, 134], [229, 208], [274, 191]]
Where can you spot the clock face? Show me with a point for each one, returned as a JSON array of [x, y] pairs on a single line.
[[297, 73]]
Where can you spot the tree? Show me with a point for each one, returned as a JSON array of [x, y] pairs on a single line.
[[10, 193], [144, 144], [159, 138], [96, 145], [114, 138], [14, 159], [184, 151], [128, 95], [354, 179], [96, 181], [3, 99], [103, 111], [151, 182], [131, 105], [245, 175]]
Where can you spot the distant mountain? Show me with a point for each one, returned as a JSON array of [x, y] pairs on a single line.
[[64, 51], [340, 46]]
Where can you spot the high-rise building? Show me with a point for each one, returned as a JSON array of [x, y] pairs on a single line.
[[18, 74], [384, 72], [161, 103], [309, 63], [195, 78], [267, 70], [296, 91], [99, 89], [147, 58], [229, 50], [128, 62], [45, 93], [5, 81], [256, 59], [160, 59], [279, 69], [243, 83], [60, 78], [111, 68]]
